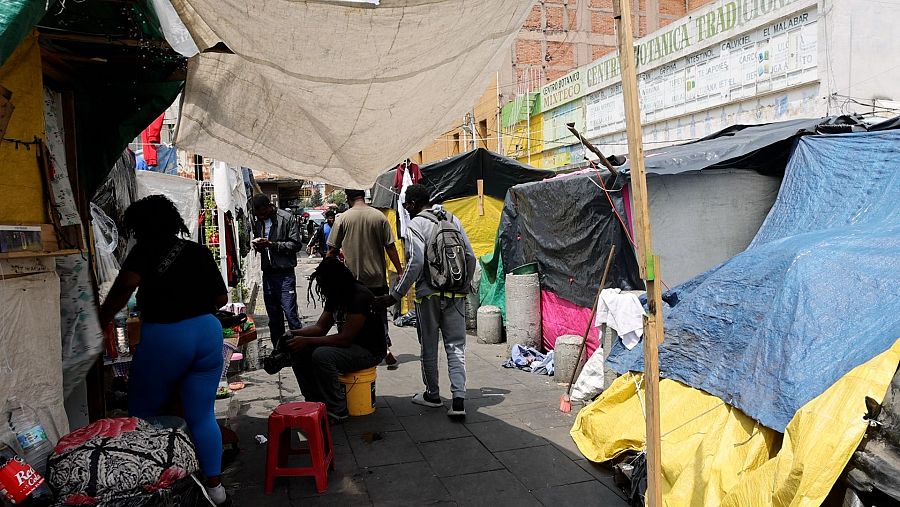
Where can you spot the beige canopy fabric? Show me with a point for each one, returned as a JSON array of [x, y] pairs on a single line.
[[336, 93]]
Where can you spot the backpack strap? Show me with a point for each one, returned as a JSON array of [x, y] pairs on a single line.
[[170, 257], [428, 215], [434, 217]]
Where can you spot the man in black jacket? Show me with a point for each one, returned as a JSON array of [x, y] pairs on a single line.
[[277, 239]]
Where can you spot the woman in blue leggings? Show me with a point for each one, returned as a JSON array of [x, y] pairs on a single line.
[[180, 351]]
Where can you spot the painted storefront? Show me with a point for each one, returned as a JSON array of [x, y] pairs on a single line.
[[737, 61]]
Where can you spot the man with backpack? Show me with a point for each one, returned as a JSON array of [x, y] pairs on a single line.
[[441, 262]]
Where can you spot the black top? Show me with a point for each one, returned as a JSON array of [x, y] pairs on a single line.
[[372, 336], [184, 289]]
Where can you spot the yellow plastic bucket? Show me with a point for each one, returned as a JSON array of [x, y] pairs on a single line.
[[359, 386]]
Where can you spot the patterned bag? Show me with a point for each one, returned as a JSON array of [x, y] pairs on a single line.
[[119, 462]]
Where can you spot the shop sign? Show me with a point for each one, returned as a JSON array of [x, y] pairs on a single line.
[[689, 33], [776, 56], [563, 90]]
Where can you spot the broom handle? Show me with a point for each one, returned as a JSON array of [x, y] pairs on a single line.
[[587, 331]]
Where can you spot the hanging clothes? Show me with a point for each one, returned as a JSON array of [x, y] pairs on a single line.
[[150, 139], [234, 267], [415, 174], [402, 214]]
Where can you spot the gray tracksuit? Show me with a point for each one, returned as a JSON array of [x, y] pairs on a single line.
[[436, 313]]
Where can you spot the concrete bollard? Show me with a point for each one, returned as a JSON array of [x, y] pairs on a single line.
[[523, 310], [565, 358], [490, 325], [472, 304]]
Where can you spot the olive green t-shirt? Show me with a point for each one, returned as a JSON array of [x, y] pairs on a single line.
[[363, 233]]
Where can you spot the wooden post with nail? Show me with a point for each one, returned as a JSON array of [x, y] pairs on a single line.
[[6, 110], [647, 261]]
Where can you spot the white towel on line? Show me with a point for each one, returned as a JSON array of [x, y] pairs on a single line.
[[622, 312]]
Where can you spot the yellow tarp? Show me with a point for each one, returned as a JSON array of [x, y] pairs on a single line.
[[481, 229], [713, 454], [391, 215], [21, 184]]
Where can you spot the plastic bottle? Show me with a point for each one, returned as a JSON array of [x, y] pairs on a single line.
[[121, 321], [133, 330], [30, 435], [41, 496]]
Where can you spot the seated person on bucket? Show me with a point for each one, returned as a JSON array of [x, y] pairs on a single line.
[[319, 357]]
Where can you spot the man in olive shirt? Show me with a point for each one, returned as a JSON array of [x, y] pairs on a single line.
[[364, 235]]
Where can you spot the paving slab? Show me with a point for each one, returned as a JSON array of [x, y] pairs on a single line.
[[561, 438], [383, 419], [434, 425], [403, 406], [602, 474], [344, 481], [546, 417], [388, 448], [458, 456], [542, 467], [501, 436], [406, 484], [582, 493], [489, 489]]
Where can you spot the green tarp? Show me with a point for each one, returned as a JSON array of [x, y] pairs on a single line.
[[17, 18], [492, 288]]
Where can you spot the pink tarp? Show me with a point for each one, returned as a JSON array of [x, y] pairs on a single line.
[[561, 316]]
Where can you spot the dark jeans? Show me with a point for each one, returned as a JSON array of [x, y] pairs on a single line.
[[317, 373], [280, 296], [381, 291]]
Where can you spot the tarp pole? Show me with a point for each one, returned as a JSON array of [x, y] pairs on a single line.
[[6, 110], [647, 262]]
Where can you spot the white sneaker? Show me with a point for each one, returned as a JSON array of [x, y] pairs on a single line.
[[457, 408], [217, 494], [420, 399]]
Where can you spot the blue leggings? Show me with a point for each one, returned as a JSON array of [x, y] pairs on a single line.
[[187, 356]]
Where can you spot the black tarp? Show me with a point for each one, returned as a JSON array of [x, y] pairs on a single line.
[[764, 148], [566, 225], [457, 177], [874, 468], [891, 124], [114, 101]]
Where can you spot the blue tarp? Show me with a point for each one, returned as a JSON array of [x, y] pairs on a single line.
[[816, 294]]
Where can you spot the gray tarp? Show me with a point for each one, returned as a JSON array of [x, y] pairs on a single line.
[[765, 148]]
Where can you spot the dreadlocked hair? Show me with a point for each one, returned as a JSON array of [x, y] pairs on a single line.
[[154, 217], [330, 280]]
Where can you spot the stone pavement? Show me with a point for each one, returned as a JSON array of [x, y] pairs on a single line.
[[514, 447]]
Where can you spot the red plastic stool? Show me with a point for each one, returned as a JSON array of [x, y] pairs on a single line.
[[312, 420]]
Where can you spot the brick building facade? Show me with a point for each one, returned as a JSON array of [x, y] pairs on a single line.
[[557, 37]]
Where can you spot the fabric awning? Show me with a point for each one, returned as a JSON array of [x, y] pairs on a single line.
[[335, 93]]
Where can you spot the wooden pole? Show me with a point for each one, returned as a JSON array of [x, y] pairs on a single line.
[[6, 110], [480, 184], [647, 262], [587, 144]]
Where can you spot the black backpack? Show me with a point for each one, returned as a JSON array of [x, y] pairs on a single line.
[[445, 254]]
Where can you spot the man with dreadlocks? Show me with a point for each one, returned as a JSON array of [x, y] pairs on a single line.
[[319, 357]]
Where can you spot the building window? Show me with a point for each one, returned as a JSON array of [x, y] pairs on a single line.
[[455, 147], [483, 133]]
